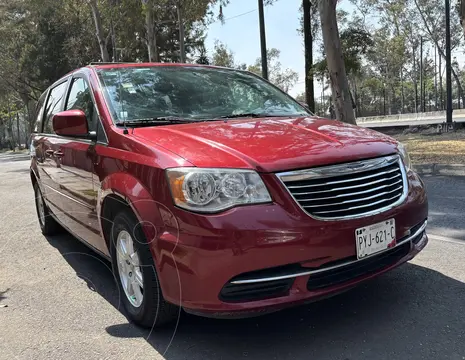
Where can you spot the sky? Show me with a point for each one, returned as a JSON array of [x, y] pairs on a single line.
[[240, 33]]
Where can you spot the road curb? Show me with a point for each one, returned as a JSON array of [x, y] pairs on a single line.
[[440, 169]]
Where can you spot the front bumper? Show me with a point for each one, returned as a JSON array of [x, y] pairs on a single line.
[[280, 249]]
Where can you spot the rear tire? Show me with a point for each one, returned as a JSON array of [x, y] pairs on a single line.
[[133, 265], [48, 225]]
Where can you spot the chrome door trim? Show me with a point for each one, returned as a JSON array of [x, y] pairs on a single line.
[[70, 198]]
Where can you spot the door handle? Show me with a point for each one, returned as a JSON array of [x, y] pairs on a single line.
[[58, 154]]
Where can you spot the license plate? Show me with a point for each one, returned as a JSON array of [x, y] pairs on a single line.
[[372, 239]]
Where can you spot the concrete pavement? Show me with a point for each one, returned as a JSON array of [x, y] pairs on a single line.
[[63, 303]]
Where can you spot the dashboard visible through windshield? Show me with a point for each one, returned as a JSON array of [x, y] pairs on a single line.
[[195, 93]]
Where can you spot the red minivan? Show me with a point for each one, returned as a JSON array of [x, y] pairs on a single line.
[[211, 190]]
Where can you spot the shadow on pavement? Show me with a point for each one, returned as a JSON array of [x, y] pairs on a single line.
[[410, 313], [14, 158], [20, 171], [2, 294]]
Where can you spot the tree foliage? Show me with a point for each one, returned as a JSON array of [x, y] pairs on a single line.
[[283, 78], [41, 41], [381, 49]]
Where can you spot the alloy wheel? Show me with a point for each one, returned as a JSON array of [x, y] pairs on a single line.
[[129, 269]]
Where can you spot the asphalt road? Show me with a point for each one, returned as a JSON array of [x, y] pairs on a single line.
[[413, 122], [58, 300]]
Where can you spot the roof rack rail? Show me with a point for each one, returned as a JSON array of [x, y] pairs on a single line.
[[110, 63]]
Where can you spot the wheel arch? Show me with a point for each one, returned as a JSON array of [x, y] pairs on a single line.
[[121, 191]]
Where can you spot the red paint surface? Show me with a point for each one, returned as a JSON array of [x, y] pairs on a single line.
[[206, 251]]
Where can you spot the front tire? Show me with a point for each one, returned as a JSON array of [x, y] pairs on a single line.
[[136, 275]]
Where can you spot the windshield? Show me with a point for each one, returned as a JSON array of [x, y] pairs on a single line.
[[194, 93]]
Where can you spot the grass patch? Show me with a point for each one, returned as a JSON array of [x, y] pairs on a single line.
[[447, 148]]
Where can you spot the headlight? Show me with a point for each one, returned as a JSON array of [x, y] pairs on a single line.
[[405, 156], [213, 190]]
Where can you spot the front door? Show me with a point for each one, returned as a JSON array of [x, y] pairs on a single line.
[[73, 178]]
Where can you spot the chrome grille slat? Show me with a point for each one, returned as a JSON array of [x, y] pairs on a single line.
[[353, 187], [346, 180], [352, 201], [356, 207], [347, 191]]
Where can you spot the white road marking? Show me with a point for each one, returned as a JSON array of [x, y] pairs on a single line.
[[446, 239]]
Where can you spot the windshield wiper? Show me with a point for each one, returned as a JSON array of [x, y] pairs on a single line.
[[252, 115], [161, 120]]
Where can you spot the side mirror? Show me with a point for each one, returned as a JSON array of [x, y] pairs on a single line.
[[71, 123]]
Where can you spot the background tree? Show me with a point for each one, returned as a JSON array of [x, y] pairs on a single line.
[[283, 78], [335, 62], [222, 56]]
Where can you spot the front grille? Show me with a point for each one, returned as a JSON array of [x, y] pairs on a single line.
[[348, 190], [368, 266]]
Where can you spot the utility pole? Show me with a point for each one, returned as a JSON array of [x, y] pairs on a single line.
[[308, 44], [261, 16], [448, 65], [422, 108], [384, 98], [425, 79], [441, 87], [415, 82], [435, 79]]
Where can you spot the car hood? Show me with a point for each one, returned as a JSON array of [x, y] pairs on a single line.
[[269, 144]]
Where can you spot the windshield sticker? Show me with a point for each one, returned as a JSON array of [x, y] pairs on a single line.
[[129, 87]]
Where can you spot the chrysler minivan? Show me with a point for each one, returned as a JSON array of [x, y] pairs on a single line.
[[211, 190]]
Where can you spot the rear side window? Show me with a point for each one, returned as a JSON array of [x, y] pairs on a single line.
[[53, 106], [80, 98]]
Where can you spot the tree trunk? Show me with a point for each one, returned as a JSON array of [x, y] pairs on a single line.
[[356, 99], [402, 93], [102, 42], [10, 127], [336, 67], [113, 42], [308, 43], [384, 99], [182, 49], [2, 132], [441, 88], [151, 36], [415, 78], [459, 87], [17, 131], [25, 120], [462, 14]]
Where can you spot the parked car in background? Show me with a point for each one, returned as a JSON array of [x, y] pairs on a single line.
[[212, 190]]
